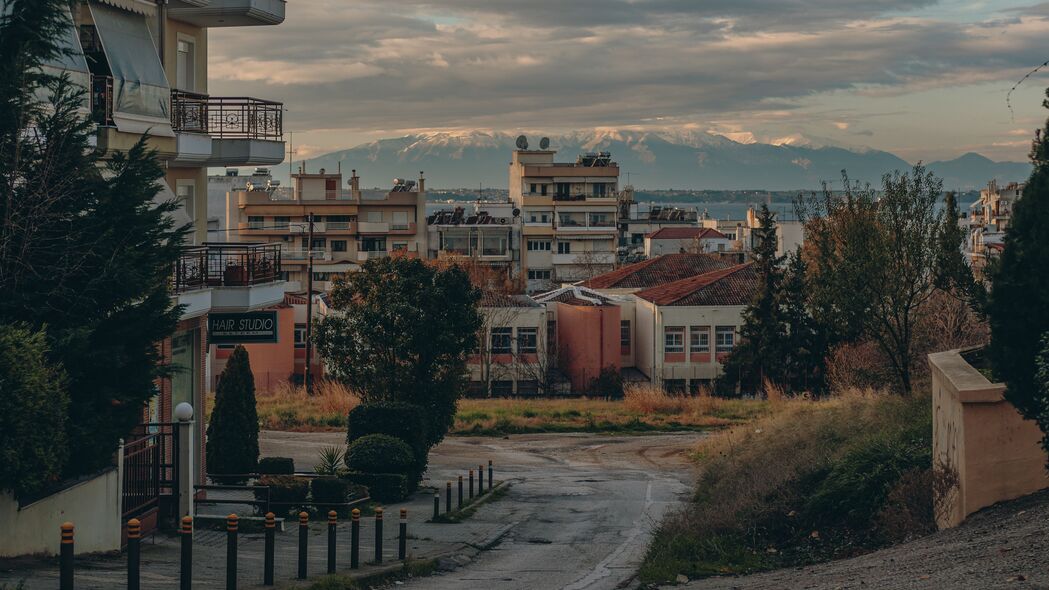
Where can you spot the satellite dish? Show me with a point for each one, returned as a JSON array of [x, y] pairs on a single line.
[[522, 142], [517, 212], [544, 143]]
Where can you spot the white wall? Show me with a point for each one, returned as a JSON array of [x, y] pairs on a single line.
[[93, 506]]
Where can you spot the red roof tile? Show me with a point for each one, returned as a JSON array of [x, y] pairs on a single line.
[[686, 233], [728, 286], [657, 271]]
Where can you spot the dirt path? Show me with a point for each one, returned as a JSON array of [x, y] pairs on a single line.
[[1006, 546], [578, 516]]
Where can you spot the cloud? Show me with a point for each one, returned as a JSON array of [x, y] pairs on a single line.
[[550, 64]]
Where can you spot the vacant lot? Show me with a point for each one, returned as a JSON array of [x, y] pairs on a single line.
[[643, 410]]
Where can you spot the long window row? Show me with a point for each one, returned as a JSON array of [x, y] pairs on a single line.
[[502, 338], [698, 339]]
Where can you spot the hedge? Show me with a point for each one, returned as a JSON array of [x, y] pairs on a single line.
[[380, 453], [399, 420], [276, 466], [328, 491], [286, 492], [382, 487]]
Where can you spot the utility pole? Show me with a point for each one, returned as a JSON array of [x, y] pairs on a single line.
[[309, 308]]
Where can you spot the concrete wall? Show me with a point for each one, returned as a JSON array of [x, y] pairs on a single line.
[[93, 506], [976, 432], [588, 341]]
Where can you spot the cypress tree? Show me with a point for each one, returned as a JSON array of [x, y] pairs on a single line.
[[233, 428], [1018, 309]]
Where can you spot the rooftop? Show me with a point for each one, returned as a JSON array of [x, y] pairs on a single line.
[[575, 295], [686, 233], [493, 299], [657, 271], [735, 285]]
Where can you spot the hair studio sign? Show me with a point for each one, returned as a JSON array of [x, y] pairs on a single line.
[[242, 328]]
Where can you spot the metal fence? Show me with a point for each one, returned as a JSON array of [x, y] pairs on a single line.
[[226, 265], [227, 117]]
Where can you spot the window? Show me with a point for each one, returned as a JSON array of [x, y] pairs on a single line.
[[562, 189], [674, 339], [564, 247], [300, 335], [542, 189], [699, 339], [319, 244], [539, 217], [527, 340], [493, 245], [256, 222], [338, 221], [539, 274], [185, 65], [599, 189], [400, 220], [400, 246], [724, 338], [538, 245], [637, 238], [373, 244], [375, 216], [281, 221], [501, 340], [599, 219], [338, 245], [322, 276], [624, 333], [186, 194], [532, 188]]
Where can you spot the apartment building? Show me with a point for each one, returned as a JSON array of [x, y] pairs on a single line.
[[637, 221], [143, 65], [670, 240], [989, 217], [568, 215], [350, 226], [488, 235], [513, 355]]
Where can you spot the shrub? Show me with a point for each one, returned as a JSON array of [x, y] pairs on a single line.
[[286, 492], [380, 453], [328, 491], [399, 420], [329, 460], [382, 487], [276, 466], [33, 404], [608, 384], [233, 428]]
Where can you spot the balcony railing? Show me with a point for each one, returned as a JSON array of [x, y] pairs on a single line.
[[227, 117], [570, 197], [226, 265], [102, 100]]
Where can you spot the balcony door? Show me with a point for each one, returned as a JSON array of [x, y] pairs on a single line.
[[185, 65]]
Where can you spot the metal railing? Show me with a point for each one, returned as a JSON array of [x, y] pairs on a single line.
[[227, 117], [226, 265], [150, 467], [102, 100]]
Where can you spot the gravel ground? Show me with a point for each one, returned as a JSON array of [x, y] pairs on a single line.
[[1005, 546]]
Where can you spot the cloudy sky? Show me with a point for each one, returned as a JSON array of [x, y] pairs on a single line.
[[925, 79]]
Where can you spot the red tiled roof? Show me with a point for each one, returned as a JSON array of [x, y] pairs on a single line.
[[575, 295], [657, 271], [728, 286], [686, 233]]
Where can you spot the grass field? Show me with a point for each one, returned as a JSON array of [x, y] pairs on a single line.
[[645, 409]]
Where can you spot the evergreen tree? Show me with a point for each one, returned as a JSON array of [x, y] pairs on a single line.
[[955, 274], [84, 248], [1018, 309], [759, 354], [233, 428], [805, 346], [401, 333]]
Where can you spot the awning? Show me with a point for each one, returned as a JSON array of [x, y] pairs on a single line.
[[317, 267], [141, 94], [143, 7]]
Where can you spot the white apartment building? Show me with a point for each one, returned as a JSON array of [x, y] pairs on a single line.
[[989, 217]]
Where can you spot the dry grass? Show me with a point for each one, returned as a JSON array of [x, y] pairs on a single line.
[[290, 408], [643, 409]]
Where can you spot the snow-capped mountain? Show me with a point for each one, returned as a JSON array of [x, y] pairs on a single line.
[[681, 159]]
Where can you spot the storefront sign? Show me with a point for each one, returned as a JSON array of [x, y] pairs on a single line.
[[242, 328]]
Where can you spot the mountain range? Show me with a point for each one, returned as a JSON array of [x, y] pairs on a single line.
[[650, 160]]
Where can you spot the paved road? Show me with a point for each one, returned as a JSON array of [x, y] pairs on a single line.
[[578, 516]]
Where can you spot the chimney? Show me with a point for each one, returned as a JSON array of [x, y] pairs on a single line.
[[355, 181], [422, 182]]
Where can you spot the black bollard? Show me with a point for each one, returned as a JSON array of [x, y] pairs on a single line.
[[332, 523], [448, 497], [304, 536], [402, 545], [460, 505], [378, 535], [436, 504], [267, 565], [231, 552], [65, 579], [480, 480], [134, 537], [355, 539], [491, 476], [471, 484], [186, 554]]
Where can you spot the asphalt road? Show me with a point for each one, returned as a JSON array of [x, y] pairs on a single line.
[[578, 516]]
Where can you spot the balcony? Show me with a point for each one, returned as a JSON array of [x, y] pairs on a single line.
[[304, 255], [585, 258], [363, 256], [228, 13], [242, 131], [228, 277], [373, 227], [565, 197]]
